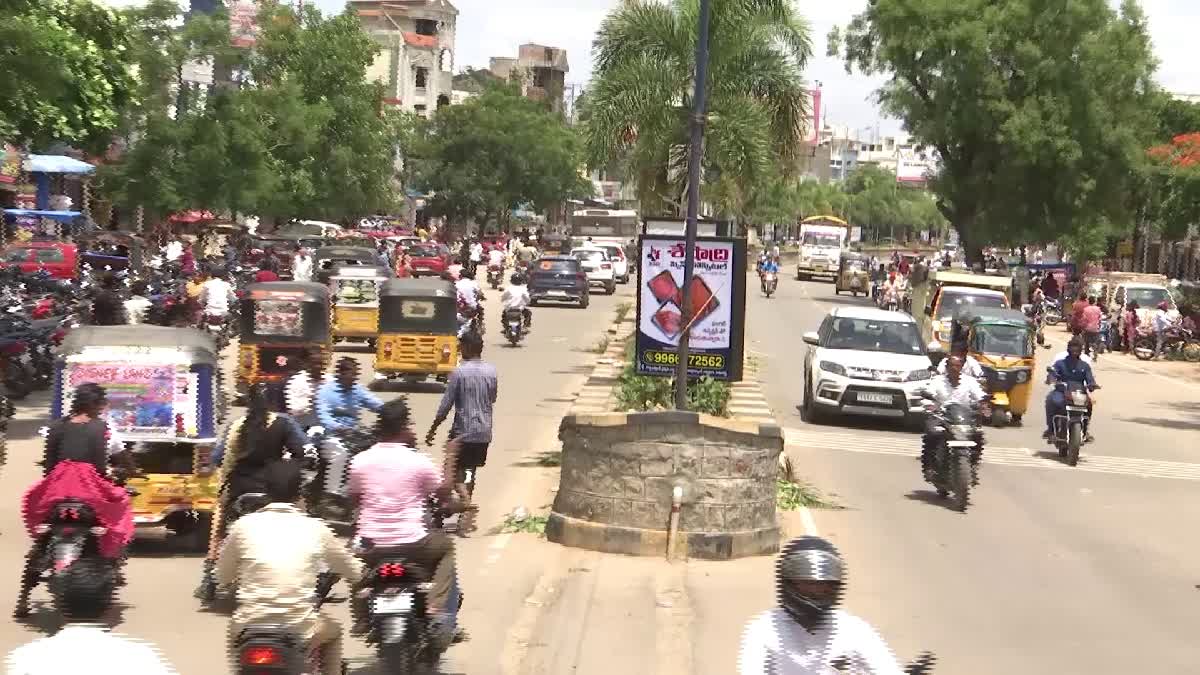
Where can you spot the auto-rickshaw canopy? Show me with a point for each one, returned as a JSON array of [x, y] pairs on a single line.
[[198, 344], [428, 306], [996, 331], [285, 312]]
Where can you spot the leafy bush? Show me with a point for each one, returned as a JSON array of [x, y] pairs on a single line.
[[643, 392]]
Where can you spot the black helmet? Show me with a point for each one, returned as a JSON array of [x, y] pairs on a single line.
[[808, 579], [517, 279]]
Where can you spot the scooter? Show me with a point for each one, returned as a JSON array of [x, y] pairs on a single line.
[[495, 276], [514, 326], [770, 281]]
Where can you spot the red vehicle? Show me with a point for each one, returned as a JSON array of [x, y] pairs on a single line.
[[57, 258], [490, 242], [429, 258]]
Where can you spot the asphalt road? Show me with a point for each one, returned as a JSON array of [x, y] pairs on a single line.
[[1052, 569], [497, 571]]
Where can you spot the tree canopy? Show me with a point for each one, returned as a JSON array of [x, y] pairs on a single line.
[[67, 76], [1037, 110], [495, 153], [639, 104]]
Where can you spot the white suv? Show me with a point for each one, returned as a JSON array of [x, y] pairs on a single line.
[[865, 361], [598, 267]]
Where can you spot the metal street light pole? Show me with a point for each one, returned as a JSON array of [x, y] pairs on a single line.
[[695, 154]]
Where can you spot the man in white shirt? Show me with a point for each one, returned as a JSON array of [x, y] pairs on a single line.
[[807, 634], [217, 296], [516, 296], [971, 366], [173, 250], [476, 254], [941, 391], [1163, 321], [276, 556], [85, 644], [468, 299], [137, 305], [302, 265], [496, 258]]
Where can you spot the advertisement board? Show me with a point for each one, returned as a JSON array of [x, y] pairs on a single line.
[[141, 398], [718, 299]]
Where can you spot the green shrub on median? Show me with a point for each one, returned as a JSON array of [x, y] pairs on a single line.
[[641, 393]]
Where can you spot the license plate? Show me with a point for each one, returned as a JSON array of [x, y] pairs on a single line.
[[960, 444], [1075, 408], [557, 294], [871, 397], [401, 603]]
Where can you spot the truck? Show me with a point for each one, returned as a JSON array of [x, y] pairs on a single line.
[[822, 240]]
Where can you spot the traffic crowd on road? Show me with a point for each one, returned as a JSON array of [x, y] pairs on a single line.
[[307, 494]]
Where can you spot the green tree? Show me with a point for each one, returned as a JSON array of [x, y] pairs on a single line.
[[495, 153], [641, 97], [1036, 109], [67, 76]]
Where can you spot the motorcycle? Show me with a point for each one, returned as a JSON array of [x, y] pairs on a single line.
[[395, 596], [1070, 425], [495, 276], [1180, 343], [770, 281], [514, 326], [335, 509], [1052, 314], [956, 461], [73, 533]]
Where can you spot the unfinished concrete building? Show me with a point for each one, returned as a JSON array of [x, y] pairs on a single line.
[[540, 71], [416, 63]]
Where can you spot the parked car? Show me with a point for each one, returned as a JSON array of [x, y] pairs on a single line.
[[865, 361], [58, 258], [598, 267], [560, 278], [429, 258]]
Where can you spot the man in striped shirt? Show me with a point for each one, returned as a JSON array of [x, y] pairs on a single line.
[[471, 391]]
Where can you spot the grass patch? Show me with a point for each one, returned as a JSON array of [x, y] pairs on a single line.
[[791, 495], [547, 459], [623, 310], [524, 523], [600, 347]]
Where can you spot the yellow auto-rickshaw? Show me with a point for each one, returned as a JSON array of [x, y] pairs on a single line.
[[281, 323], [1002, 341], [355, 291], [418, 329], [165, 403], [853, 274]]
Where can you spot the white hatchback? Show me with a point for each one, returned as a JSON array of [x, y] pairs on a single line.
[[865, 361], [598, 267]]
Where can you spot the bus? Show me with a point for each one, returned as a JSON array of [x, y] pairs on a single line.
[[606, 223]]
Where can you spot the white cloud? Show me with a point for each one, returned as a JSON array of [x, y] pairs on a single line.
[[489, 28]]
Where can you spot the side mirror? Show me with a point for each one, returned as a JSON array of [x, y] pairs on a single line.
[[928, 310], [812, 338]]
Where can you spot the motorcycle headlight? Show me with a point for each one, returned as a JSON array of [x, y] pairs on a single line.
[[962, 430], [831, 367], [1022, 376], [1079, 398]]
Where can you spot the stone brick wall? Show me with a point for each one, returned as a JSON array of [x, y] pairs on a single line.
[[618, 472]]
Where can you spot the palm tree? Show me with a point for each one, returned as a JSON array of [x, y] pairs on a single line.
[[641, 97]]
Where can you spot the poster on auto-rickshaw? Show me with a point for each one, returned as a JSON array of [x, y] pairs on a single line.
[[717, 299], [141, 398], [278, 317]]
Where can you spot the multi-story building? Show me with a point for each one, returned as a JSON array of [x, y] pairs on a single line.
[[852, 148], [416, 61], [540, 71]]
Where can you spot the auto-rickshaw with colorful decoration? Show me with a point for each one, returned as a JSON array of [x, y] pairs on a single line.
[[165, 403], [418, 329], [355, 291], [1003, 342], [282, 325]]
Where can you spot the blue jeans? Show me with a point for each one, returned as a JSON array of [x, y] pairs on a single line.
[[1055, 401]]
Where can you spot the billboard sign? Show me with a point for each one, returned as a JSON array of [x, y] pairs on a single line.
[[718, 300]]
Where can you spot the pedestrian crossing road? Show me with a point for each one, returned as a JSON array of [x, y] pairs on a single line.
[[909, 445]]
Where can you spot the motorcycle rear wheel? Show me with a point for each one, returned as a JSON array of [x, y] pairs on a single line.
[[1143, 348], [1074, 441]]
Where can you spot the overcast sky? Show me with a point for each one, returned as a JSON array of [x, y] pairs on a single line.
[[495, 27]]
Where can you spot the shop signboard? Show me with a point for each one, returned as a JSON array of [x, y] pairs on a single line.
[[718, 300]]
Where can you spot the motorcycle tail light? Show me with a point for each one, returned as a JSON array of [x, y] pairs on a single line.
[[41, 529], [605, 266], [391, 570], [98, 531], [581, 276], [260, 656]]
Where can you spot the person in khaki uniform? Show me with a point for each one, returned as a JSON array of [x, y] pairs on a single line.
[[275, 555]]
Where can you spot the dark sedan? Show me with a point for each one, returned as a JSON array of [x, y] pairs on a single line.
[[560, 278]]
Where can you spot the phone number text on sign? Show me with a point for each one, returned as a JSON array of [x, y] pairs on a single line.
[[715, 362]]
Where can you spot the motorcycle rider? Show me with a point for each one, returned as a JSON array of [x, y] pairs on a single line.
[[469, 297], [516, 296], [769, 266], [338, 404], [392, 483], [808, 634], [1073, 368], [217, 297], [137, 305], [971, 366], [276, 556], [1163, 322], [496, 258], [945, 389], [107, 306]]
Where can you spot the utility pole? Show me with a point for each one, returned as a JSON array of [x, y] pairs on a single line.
[[695, 155]]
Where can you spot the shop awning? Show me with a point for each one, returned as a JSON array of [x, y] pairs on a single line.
[[57, 164], [60, 216]]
